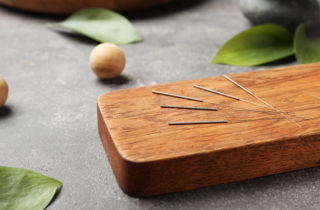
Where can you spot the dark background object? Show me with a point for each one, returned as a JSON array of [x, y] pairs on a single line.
[[69, 6], [288, 13]]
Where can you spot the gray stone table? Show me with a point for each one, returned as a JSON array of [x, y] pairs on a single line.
[[49, 122]]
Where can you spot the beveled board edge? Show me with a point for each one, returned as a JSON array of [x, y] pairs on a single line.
[[179, 174]]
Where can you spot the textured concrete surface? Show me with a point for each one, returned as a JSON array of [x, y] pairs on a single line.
[[49, 123]]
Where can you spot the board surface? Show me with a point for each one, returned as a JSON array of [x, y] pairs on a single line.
[[150, 157], [69, 6]]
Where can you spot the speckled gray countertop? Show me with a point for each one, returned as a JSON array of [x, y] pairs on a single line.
[[49, 122]]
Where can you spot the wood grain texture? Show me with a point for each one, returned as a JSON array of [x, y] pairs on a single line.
[[149, 157], [69, 6]]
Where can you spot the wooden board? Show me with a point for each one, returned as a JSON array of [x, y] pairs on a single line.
[[149, 157], [69, 6]]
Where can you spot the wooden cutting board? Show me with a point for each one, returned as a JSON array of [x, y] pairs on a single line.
[[69, 6], [149, 157]]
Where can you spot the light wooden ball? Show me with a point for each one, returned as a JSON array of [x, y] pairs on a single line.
[[3, 91], [107, 60]]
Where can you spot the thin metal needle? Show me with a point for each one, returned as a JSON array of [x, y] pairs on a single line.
[[240, 86], [239, 108], [271, 107], [209, 102], [229, 96], [198, 122], [189, 107], [177, 96], [216, 92], [239, 99]]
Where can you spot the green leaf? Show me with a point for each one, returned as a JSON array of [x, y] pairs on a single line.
[[255, 46], [27, 190], [101, 25], [307, 49]]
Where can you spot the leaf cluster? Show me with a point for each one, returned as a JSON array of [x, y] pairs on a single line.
[[266, 43]]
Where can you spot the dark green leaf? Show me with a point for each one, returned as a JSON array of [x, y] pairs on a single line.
[[307, 49], [255, 46], [101, 25], [27, 190]]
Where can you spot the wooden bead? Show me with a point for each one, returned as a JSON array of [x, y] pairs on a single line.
[[107, 60], [3, 91]]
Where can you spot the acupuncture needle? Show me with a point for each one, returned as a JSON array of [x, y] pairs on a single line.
[[177, 96], [220, 121], [261, 100], [198, 122], [239, 99], [189, 107], [228, 96], [200, 100]]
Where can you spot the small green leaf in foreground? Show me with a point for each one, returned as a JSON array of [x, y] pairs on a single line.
[[255, 46], [101, 25], [307, 49], [27, 190]]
